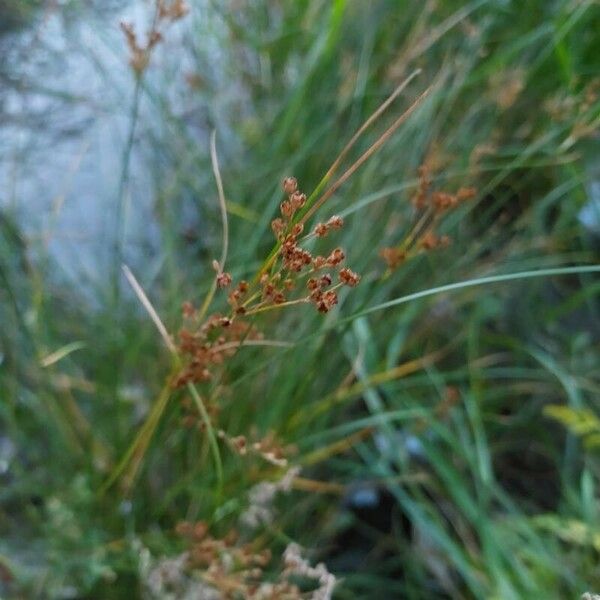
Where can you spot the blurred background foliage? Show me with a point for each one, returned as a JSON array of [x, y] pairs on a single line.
[[472, 475]]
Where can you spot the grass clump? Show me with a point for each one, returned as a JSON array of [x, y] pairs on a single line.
[[424, 432]]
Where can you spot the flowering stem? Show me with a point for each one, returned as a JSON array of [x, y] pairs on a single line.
[[274, 306]]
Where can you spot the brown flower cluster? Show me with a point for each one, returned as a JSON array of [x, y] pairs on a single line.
[[139, 53], [209, 344], [295, 276], [430, 206], [439, 201], [236, 569], [173, 11], [297, 262], [267, 448], [231, 568]]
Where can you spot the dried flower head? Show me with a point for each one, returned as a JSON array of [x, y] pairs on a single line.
[[223, 280], [175, 10], [430, 206], [290, 185], [348, 277]]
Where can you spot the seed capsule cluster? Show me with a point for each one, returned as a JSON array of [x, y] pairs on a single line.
[[296, 261], [430, 206], [295, 276]]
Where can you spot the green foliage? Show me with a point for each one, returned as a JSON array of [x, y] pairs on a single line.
[[431, 381]]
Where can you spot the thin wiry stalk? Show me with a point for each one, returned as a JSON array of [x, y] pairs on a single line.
[[340, 396], [338, 161], [125, 169], [140, 444], [222, 204], [451, 287], [240, 343], [212, 438], [137, 288], [225, 223], [365, 156], [260, 309], [138, 447]]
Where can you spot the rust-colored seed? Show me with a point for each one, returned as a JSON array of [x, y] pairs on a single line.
[[336, 222], [287, 209], [336, 257], [349, 277], [184, 528], [187, 308], [429, 241], [321, 230], [298, 200], [223, 280], [278, 226], [325, 280], [330, 297], [290, 185], [319, 262], [466, 193]]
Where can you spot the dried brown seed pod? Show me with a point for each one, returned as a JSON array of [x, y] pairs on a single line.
[[290, 185]]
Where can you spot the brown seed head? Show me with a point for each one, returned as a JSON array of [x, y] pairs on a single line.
[[336, 257], [466, 193], [336, 222], [429, 241], [325, 280], [287, 208], [321, 230], [319, 262], [312, 284], [348, 277], [223, 280], [278, 226], [443, 200], [394, 257], [290, 185], [187, 308], [298, 200]]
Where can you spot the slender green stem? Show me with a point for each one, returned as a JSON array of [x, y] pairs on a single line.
[[451, 287], [275, 306], [212, 438]]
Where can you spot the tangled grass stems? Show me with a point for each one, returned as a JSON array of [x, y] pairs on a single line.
[[141, 442], [316, 200]]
